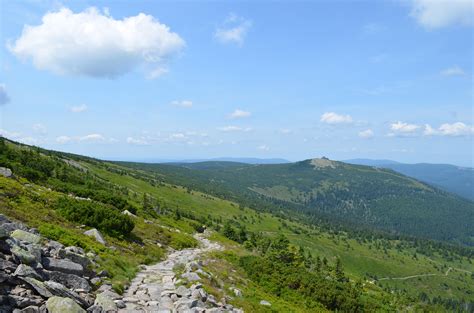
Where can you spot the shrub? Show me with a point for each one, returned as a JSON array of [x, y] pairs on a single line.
[[100, 216]]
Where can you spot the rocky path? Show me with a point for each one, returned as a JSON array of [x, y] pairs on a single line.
[[155, 289]]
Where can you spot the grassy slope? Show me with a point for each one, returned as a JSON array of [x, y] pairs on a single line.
[[358, 195], [358, 259]]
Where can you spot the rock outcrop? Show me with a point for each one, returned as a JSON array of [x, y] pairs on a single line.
[[40, 275]]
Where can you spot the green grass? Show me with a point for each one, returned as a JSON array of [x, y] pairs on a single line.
[[358, 259]]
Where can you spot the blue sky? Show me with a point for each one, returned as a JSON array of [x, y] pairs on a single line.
[[181, 80]]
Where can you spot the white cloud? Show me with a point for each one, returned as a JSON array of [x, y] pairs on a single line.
[[177, 136], [453, 71], [91, 43], [456, 129], [234, 129], [368, 133], [263, 148], [433, 14], [404, 128], [4, 98], [40, 129], [137, 141], [240, 114], [182, 103], [63, 139], [9, 134], [234, 30], [334, 118], [429, 131], [92, 138], [78, 108]]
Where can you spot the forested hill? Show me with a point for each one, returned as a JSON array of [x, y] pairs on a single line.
[[452, 178], [333, 191]]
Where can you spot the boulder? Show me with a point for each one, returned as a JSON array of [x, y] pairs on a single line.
[[64, 266], [26, 271], [63, 305], [75, 257], [37, 285], [6, 172], [106, 302], [183, 291], [60, 290], [25, 236], [69, 280], [7, 265], [127, 212], [94, 233], [31, 309], [3, 233], [22, 255], [265, 302]]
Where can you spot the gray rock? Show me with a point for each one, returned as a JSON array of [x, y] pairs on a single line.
[[265, 302], [94, 309], [31, 309], [3, 233], [183, 291], [191, 276], [63, 305], [64, 266], [35, 250], [127, 212], [6, 172], [96, 235], [22, 255], [104, 301], [7, 265], [61, 290], [39, 286], [25, 236], [237, 292], [120, 304], [75, 257], [69, 280], [26, 271]]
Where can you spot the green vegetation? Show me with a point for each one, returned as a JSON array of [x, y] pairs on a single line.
[[323, 191], [367, 268]]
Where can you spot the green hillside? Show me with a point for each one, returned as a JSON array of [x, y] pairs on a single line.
[[321, 189], [455, 179], [357, 272]]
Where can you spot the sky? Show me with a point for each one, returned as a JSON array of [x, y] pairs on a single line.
[[294, 80]]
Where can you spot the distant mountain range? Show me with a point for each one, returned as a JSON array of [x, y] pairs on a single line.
[[455, 179], [337, 192], [221, 159]]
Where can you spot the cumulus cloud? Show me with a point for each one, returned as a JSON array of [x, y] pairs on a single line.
[[63, 139], [239, 114], [453, 71], [78, 108], [137, 141], [263, 148], [232, 128], [92, 138], [456, 129], [234, 30], [433, 14], [94, 44], [368, 133], [4, 98], [404, 128], [182, 103], [285, 131], [334, 118]]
